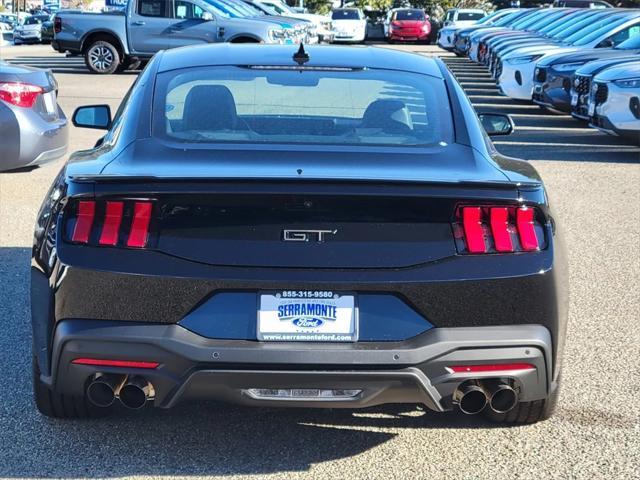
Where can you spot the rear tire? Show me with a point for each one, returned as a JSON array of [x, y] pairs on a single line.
[[102, 57], [527, 412], [56, 405]]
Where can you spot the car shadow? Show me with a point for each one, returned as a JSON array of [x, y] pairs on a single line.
[[193, 438], [59, 64]]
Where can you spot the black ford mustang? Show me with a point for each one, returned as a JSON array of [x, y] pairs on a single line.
[[329, 228]]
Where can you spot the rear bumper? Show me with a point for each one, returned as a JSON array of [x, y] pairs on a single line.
[[191, 366]]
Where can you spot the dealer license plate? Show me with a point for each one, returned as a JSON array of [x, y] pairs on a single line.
[[307, 316], [574, 99], [592, 109]]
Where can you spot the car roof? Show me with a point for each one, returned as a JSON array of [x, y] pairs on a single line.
[[282, 55]]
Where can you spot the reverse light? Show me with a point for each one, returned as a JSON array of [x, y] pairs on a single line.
[[490, 367], [498, 229], [98, 362], [20, 94]]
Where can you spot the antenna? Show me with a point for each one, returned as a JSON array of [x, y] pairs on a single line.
[[301, 57]]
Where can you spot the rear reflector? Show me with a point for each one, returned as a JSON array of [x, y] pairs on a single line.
[[112, 221], [140, 225], [84, 221], [499, 367], [115, 363], [526, 229], [498, 229]]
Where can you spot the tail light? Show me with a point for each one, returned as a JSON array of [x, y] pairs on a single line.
[[20, 94], [57, 24], [110, 223], [498, 229]]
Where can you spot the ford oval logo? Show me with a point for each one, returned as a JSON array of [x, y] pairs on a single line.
[[307, 322]]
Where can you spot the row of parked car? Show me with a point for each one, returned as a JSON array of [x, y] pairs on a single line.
[[36, 28], [583, 62], [121, 40]]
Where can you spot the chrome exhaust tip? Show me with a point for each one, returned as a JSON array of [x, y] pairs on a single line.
[[470, 397], [102, 389], [503, 398], [135, 392]]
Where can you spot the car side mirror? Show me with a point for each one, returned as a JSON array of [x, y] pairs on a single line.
[[92, 116], [496, 123], [207, 16]]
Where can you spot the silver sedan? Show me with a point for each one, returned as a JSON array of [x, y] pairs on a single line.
[[33, 127]]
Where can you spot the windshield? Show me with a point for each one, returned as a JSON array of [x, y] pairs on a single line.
[[633, 42], [599, 33], [35, 20], [546, 20], [563, 22], [409, 15], [564, 31], [278, 7], [595, 26], [512, 18], [272, 105], [224, 10], [468, 16], [492, 16], [243, 8], [345, 15], [529, 19]]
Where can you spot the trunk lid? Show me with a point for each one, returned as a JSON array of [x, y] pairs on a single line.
[[299, 209]]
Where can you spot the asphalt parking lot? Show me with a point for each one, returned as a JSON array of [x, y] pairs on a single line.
[[594, 184]]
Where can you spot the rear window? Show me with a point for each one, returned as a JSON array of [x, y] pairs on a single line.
[[345, 15], [271, 105], [410, 15], [466, 16]]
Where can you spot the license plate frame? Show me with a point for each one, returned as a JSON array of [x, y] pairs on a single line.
[[307, 316]]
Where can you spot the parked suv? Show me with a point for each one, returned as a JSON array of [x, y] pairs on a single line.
[[614, 101]]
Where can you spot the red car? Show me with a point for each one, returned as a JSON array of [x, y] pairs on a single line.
[[409, 25]]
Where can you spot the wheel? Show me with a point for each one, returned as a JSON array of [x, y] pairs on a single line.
[[527, 412], [129, 64], [56, 405], [102, 57]]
